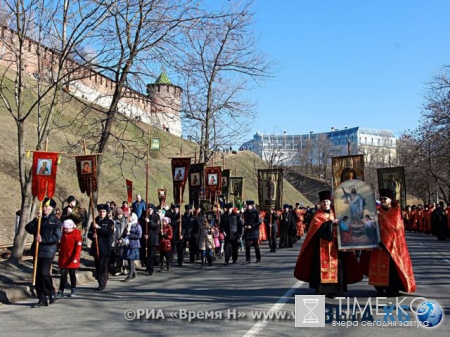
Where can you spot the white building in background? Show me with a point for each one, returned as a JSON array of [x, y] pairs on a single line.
[[358, 140]]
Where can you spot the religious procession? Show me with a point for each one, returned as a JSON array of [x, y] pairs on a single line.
[[349, 235]]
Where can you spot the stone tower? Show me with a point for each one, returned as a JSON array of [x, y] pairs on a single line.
[[165, 99]]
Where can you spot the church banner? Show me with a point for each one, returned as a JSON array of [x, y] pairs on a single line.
[[87, 173], [180, 169], [270, 189], [129, 185], [347, 168], [236, 184], [44, 174], [355, 207], [196, 184], [393, 178], [213, 180], [225, 185]]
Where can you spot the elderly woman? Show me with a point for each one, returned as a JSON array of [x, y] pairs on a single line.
[[205, 241], [130, 241], [165, 243]]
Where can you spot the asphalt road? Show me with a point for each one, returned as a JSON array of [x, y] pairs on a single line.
[[233, 300]]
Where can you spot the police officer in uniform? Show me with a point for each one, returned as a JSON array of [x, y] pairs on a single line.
[[231, 227], [101, 232], [49, 235], [251, 231]]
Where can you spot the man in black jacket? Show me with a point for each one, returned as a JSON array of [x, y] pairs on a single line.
[[251, 231], [231, 227], [179, 235], [190, 222], [49, 235], [101, 232], [151, 227]]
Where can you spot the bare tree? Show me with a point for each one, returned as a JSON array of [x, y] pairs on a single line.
[[221, 56], [23, 97]]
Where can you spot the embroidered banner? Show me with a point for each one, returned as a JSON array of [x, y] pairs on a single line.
[[225, 184], [196, 184], [87, 173], [180, 169], [129, 185], [236, 184], [213, 180], [393, 178], [270, 189], [44, 174]]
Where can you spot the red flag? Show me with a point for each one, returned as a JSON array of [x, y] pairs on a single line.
[[44, 174], [129, 184]]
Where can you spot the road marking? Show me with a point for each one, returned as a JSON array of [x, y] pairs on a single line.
[[254, 331], [420, 243], [446, 260]]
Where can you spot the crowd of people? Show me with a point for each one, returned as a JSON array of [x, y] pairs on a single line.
[[430, 219], [161, 236]]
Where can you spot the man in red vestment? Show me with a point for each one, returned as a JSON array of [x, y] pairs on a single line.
[[389, 268], [327, 270]]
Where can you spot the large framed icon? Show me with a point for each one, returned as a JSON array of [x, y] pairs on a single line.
[[355, 207]]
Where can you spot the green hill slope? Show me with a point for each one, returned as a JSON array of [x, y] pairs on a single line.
[[115, 168]]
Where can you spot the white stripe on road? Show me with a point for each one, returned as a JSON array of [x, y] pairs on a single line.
[[446, 260], [420, 243], [277, 306]]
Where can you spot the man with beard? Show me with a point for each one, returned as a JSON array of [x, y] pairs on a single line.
[[288, 228], [231, 227], [190, 222], [393, 252], [49, 235], [101, 233], [327, 270]]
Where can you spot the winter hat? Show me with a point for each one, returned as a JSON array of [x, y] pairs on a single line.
[[68, 223]]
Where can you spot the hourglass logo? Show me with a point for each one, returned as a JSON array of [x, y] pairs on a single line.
[[310, 311]]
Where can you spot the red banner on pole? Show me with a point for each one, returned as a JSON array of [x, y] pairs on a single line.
[[44, 174], [129, 190], [180, 170], [87, 173]]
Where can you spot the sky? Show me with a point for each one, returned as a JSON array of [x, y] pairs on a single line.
[[346, 63]]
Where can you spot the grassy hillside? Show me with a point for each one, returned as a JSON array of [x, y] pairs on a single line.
[[66, 136]]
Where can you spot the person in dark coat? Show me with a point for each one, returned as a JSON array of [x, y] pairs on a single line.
[[152, 227], [288, 228], [179, 235], [101, 232], [130, 241], [439, 222], [190, 223], [49, 235], [231, 227], [251, 231], [270, 221]]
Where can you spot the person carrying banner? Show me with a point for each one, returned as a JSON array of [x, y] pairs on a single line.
[[270, 221], [319, 262], [50, 234], [101, 232], [288, 228], [393, 252], [190, 224]]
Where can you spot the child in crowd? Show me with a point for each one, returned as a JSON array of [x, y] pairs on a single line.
[[69, 257]]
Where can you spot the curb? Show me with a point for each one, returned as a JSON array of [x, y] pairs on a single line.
[[14, 293]]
